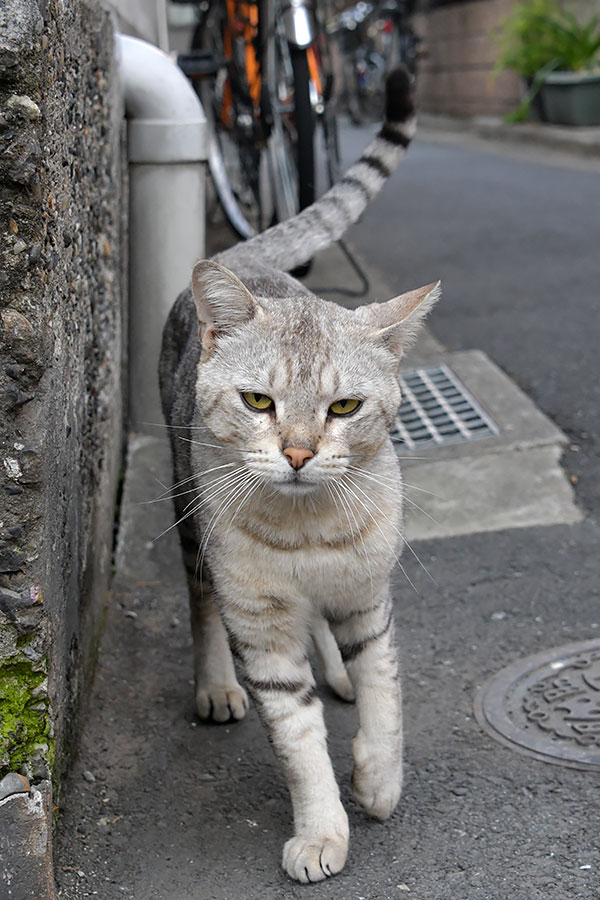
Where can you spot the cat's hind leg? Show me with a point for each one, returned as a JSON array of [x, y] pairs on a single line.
[[219, 696], [330, 659]]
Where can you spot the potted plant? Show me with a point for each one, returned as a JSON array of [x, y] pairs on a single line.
[[558, 57]]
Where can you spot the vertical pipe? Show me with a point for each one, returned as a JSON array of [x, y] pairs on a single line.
[[167, 154]]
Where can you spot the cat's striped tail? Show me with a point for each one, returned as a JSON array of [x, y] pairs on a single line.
[[295, 241]]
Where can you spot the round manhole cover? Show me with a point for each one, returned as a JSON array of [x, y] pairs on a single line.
[[547, 705]]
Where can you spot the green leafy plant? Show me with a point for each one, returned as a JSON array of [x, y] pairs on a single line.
[[539, 37]]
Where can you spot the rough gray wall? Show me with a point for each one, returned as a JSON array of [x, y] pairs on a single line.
[[60, 362]]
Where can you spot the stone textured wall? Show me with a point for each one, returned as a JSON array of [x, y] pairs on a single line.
[[61, 277]]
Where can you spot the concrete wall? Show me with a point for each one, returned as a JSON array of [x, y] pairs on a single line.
[[146, 19], [61, 300], [455, 77]]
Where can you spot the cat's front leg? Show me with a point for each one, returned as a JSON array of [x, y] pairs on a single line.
[[366, 641], [281, 683]]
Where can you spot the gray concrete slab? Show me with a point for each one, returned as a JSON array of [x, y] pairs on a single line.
[[487, 492], [512, 479]]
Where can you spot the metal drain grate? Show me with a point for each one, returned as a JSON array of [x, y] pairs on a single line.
[[548, 706], [437, 409]]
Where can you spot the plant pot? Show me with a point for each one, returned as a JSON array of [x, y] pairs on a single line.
[[536, 112], [571, 98]]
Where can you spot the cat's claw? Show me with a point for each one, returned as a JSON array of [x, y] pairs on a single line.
[[221, 704], [309, 859]]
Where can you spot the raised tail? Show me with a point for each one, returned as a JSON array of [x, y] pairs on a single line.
[[295, 241]]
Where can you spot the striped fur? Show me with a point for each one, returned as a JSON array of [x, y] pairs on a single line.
[[275, 555]]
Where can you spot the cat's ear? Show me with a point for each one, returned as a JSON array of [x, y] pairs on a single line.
[[396, 323], [222, 301]]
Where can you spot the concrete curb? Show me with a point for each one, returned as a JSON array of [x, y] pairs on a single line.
[[584, 142]]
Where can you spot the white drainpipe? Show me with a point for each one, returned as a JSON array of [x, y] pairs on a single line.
[[167, 154]]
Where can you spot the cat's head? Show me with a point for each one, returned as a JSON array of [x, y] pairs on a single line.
[[300, 388]]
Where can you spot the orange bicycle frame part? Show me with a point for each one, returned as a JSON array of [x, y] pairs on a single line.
[[313, 69], [242, 20]]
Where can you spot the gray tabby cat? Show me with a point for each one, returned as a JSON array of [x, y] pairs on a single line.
[[289, 500]]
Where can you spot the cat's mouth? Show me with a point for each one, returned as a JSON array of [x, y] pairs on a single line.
[[295, 486]]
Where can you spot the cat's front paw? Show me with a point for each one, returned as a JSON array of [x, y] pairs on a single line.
[[311, 858], [377, 776], [221, 703]]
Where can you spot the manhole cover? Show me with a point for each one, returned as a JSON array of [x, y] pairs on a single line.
[[548, 705], [437, 409]]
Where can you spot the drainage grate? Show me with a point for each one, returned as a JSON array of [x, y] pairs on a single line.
[[548, 706], [437, 409]]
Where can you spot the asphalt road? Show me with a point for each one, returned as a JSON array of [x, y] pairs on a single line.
[[516, 242], [170, 809]]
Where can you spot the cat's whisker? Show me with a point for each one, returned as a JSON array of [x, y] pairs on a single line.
[[381, 531], [388, 482], [362, 456], [416, 487], [208, 491], [370, 515], [376, 479], [419, 560], [167, 496], [386, 479], [173, 525], [186, 515], [401, 535], [167, 425], [421, 510], [238, 491], [198, 494], [162, 484], [161, 499], [208, 495], [347, 508], [226, 449], [188, 479], [256, 479]]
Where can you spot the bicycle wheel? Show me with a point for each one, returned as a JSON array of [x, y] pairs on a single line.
[[234, 148], [305, 127]]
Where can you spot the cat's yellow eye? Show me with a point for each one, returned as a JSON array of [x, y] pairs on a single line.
[[257, 401], [344, 407]]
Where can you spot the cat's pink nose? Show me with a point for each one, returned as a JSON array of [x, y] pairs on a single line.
[[297, 456]]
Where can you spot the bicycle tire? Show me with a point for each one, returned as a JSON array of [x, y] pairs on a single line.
[[305, 127], [237, 196]]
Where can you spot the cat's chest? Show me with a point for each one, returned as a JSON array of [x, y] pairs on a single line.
[[293, 558]]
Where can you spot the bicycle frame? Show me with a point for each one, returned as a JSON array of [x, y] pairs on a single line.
[[299, 19], [268, 94]]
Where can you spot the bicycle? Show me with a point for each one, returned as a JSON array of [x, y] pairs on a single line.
[[375, 38], [264, 76]]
